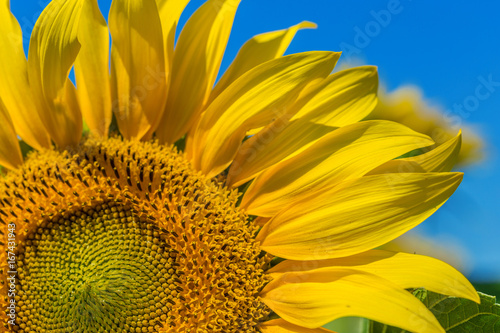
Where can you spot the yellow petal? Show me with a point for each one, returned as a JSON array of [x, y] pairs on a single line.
[[14, 86], [317, 298], [170, 11], [347, 153], [277, 142], [254, 100], [440, 159], [52, 52], [355, 216], [10, 152], [405, 270], [261, 221], [92, 69], [343, 98], [257, 50], [282, 326], [197, 58], [138, 76]]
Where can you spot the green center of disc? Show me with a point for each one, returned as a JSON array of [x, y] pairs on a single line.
[[101, 270]]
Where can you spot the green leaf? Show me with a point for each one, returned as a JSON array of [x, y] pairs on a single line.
[[181, 144], [491, 288], [349, 325], [25, 148], [456, 315]]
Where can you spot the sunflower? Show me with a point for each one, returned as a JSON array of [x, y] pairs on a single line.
[[249, 205]]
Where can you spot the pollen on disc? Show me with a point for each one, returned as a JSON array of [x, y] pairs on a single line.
[[121, 236], [99, 270]]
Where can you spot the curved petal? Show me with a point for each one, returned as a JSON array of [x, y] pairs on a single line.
[[275, 143], [356, 216], [405, 270], [440, 159], [10, 152], [197, 58], [341, 99], [170, 12], [317, 298], [92, 69], [53, 50], [258, 50], [138, 77], [282, 326], [14, 86], [347, 153], [254, 100]]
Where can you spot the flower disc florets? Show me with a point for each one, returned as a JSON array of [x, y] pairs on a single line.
[[121, 236]]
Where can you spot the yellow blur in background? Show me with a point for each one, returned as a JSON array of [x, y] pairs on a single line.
[[408, 106]]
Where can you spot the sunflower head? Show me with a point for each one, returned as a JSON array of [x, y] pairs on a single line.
[[250, 204], [132, 239]]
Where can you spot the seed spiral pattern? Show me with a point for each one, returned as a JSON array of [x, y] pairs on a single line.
[[97, 262], [120, 236]]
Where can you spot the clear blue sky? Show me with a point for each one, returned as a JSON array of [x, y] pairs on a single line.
[[445, 47]]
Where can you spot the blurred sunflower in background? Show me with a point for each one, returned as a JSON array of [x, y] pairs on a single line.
[[248, 205], [408, 106]]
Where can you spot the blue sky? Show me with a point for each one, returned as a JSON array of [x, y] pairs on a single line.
[[447, 48]]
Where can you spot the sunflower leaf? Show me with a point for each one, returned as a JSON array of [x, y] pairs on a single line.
[[456, 315], [349, 324]]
